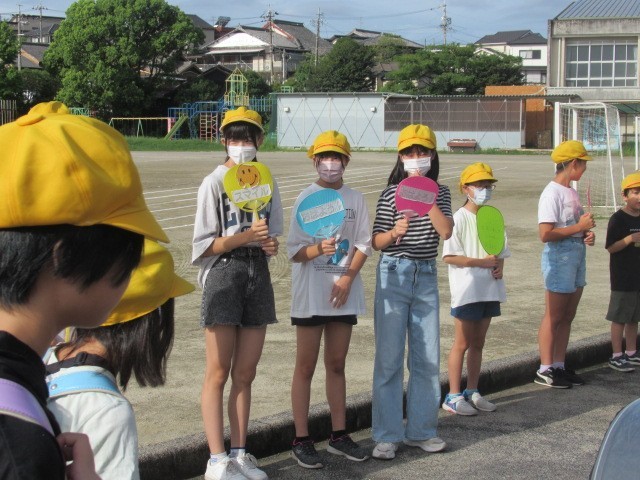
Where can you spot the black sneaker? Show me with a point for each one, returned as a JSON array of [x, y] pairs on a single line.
[[570, 376], [620, 364], [632, 359], [551, 378], [345, 446], [306, 455]]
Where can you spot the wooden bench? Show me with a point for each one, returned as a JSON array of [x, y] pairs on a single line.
[[462, 144]]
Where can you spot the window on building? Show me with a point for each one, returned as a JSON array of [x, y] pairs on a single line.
[[611, 63], [531, 54]]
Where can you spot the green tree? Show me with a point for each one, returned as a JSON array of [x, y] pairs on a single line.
[[198, 90], [452, 70], [115, 56], [389, 47], [9, 77], [348, 67], [256, 84], [37, 86]]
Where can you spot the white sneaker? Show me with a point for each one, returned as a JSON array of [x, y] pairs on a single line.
[[385, 451], [223, 469], [478, 401], [248, 466], [431, 445]]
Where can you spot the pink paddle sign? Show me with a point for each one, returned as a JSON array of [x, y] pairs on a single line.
[[415, 196]]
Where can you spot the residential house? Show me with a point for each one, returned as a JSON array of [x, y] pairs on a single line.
[[35, 28], [211, 32], [530, 47], [274, 50], [371, 38]]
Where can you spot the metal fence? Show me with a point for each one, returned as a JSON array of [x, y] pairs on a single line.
[[8, 111]]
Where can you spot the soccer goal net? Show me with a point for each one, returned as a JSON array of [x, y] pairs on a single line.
[[597, 126]]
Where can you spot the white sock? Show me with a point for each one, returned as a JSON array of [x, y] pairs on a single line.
[[617, 355], [544, 368], [237, 452], [630, 352], [559, 365], [216, 457]]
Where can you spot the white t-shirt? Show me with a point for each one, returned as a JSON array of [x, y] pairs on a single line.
[[109, 422], [313, 281], [471, 284], [217, 216], [560, 206]]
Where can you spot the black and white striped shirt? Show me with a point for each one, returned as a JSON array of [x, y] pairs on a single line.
[[421, 240]]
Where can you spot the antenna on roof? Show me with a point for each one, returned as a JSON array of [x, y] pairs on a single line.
[[222, 21]]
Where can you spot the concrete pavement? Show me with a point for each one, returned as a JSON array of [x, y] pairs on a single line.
[[509, 443]]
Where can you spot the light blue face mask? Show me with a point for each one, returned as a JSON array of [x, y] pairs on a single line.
[[480, 196]]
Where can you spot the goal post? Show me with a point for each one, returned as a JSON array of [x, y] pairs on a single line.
[[597, 126]]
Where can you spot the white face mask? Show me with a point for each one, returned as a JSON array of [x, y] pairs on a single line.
[[241, 153], [480, 196], [421, 165], [330, 171]]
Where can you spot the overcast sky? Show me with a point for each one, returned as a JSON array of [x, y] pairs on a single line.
[[417, 20]]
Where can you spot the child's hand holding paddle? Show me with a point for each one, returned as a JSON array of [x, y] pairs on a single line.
[[270, 246], [327, 246], [490, 261], [259, 230], [400, 228]]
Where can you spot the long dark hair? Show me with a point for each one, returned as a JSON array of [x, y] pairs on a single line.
[[398, 174], [140, 347], [242, 131]]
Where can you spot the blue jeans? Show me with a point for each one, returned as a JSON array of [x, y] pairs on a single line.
[[406, 303]]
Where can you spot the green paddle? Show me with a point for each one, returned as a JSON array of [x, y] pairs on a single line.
[[490, 229]]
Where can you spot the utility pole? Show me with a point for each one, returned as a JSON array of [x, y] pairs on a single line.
[[317, 24], [446, 21], [269, 17], [19, 37], [40, 7]]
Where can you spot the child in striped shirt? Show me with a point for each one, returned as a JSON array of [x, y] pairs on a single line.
[[407, 304]]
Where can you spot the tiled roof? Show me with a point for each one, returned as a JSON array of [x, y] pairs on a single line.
[[583, 9], [306, 37], [513, 37]]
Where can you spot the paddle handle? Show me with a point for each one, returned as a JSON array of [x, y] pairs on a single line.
[[399, 239]]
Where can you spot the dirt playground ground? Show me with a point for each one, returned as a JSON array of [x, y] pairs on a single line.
[[171, 181]]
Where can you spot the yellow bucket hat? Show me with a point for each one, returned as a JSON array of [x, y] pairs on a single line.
[[330, 141], [152, 283], [631, 181], [242, 114], [59, 168], [416, 134], [570, 150], [476, 172]]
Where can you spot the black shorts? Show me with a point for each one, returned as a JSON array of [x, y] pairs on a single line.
[[317, 320], [238, 291]]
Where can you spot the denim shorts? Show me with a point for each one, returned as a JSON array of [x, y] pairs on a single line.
[[564, 265], [476, 311], [624, 307], [238, 291]]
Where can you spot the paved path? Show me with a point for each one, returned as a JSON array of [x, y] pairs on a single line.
[[536, 433]]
